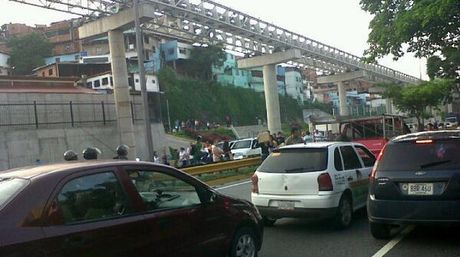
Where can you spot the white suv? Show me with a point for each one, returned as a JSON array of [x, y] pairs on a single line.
[[314, 180], [245, 148]]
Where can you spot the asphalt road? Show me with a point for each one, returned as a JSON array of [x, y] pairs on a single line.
[[303, 238]]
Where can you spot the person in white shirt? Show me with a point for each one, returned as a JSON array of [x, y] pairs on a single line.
[[184, 157]]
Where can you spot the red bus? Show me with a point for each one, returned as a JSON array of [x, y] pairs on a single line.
[[373, 132]]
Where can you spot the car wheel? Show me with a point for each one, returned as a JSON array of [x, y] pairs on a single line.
[[380, 230], [244, 244], [268, 221], [344, 214]]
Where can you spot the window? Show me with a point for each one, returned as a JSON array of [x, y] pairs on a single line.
[[105, 81], [182, 50], [93, 197], [295, 160], [146, 39], [89, 84], [154, 49], [242, 144], [162, 191], [367, 157], [153, 81], [337, 160], [350, 159], [50, 72], [97, 83], [111, 80], [137, 80], [442, 154], [9, 187]]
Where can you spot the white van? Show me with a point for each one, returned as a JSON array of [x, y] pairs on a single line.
[[245, 148]]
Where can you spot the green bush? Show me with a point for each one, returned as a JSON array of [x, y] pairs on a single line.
[[210, 101]]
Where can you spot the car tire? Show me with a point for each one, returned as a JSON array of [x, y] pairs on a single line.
[[244, 244], [344, 214], [380, 230], [268, 221]]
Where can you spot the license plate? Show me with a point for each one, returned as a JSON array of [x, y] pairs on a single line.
[[420, 189], [286, 205]]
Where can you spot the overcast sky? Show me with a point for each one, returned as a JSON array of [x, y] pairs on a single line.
[[339, 23]]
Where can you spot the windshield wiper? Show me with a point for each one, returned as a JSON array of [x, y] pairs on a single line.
[[431, 164]]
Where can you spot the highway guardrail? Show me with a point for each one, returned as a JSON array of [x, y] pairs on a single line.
[[222, 166]]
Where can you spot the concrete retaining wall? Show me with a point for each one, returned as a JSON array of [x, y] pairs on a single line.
[[24, 147]]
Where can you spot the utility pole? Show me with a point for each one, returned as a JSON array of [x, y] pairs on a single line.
[[140, 61]]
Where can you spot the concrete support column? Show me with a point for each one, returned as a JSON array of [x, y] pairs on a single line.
[[343, 108], [272, 101], [389, 106], [121, 91]]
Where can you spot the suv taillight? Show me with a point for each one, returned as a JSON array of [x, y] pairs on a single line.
[[374, 169], [255, 183], [325, 182]]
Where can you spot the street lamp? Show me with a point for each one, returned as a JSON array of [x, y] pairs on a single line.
[[140, 61]]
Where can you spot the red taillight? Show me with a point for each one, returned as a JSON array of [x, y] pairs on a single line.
[[255, 183], [325, 182], [374, 169]]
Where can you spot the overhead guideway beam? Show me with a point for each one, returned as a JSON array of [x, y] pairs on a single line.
[[210, 22]]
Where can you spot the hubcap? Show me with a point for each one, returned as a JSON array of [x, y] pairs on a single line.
[[245, 246], [345, 210]]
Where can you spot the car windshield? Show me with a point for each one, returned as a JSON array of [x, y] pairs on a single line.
[[9, 187], [242, 144], [410, 156], [297, 160]]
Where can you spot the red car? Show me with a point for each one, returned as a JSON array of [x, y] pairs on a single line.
[[120, 208]]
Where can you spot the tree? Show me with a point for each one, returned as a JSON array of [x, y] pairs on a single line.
[[202, 59], [429, 29], [415, 99], [28, 52]]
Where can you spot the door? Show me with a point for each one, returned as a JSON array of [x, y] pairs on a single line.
[[91, 215], [180, 221], [354, 176]]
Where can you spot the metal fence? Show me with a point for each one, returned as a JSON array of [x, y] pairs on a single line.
[[68, 114]]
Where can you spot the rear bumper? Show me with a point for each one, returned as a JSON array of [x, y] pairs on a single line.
[[408, 212], [305, 206], [273, 212]]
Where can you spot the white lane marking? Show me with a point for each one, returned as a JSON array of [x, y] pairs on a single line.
[[385, 249], [233, 185]]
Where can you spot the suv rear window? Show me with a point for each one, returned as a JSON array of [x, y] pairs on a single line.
[[9, 187], [297, 160], [411, 156]]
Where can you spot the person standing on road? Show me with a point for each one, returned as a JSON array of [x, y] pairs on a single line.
[[184, 157], [216, 152], [91, 153], [295, 137], [227, 151], [122, 152], [70, 155]]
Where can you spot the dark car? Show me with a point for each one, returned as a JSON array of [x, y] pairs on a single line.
[[416, 180], [120, 208]]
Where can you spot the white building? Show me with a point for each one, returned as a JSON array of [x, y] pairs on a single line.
[[294, 84], [4, 67]]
